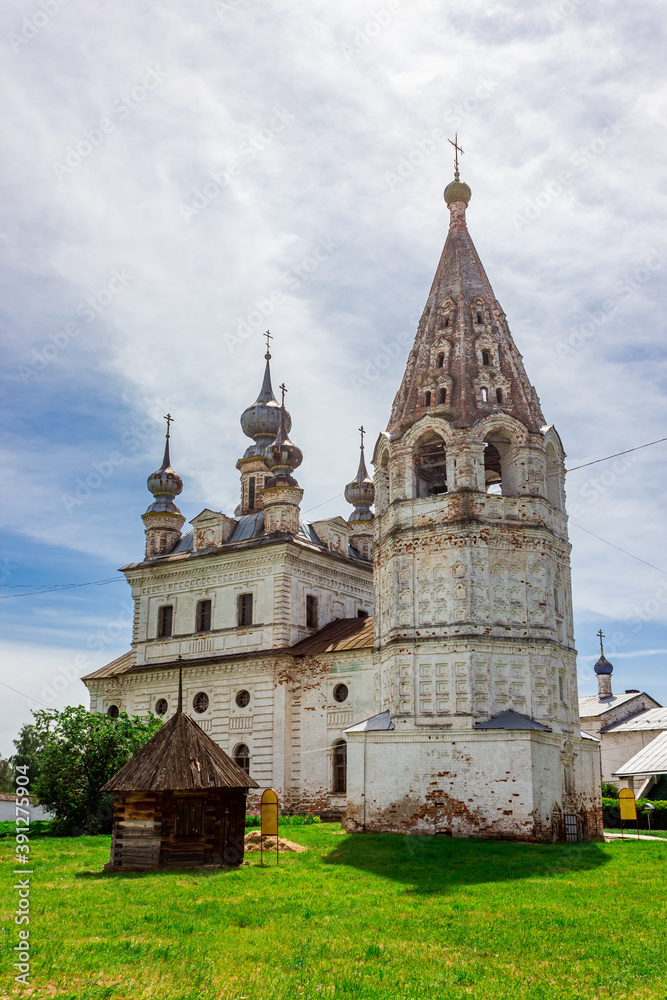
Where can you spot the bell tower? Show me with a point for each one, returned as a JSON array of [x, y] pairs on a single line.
[[472, 565]]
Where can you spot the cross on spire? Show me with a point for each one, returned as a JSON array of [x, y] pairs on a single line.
[[283, 390], [601, 637], [169, 420], [269, 338], [457, 150], [362, 432]]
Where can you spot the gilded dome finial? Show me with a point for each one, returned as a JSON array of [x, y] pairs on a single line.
[[458, 190]]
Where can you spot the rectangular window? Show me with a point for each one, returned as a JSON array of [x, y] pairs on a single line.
[[311, 611], [203, 616], [189, 817], [165, 619], [245, 609], [361, 613], [251, 492]]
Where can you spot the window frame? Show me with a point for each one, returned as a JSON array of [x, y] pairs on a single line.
[[201, 612], [312, 611], [238, 756], [161, 630], [245, 607], [339, 768]]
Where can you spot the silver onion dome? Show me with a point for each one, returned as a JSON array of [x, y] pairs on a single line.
[[361, 491], [282, 456], [261, 421], [165, 484]]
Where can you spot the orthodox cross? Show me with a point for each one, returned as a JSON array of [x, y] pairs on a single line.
[[283, 390], [458, 150], [169, 420], [269, 337], [601, 635], [361, 431]]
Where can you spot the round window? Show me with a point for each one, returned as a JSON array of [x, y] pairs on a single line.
[[161, 706], [200, 702], [112, 711], [340, 693], [243, 699]]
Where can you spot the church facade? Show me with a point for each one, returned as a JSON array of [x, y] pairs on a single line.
[[453, 709]]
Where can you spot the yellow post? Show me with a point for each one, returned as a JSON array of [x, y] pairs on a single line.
[[627, 806], [269, 819]]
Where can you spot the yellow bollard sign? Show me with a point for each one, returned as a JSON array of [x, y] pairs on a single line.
[[627, 804], [269, 819]]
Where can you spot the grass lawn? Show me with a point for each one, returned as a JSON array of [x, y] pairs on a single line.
[[353, 917]]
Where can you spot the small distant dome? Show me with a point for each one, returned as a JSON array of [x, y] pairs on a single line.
[[165, 484], [361, 492], [603, 666], [457, 191], [282, 456], [261, 421]]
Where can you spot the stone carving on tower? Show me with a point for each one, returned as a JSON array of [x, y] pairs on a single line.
[[163, 520]]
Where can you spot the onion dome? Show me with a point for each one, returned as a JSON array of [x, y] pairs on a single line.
[[165, 484], [281, 456], [361, 491], [457, 191], [261, 421], [603, 666]]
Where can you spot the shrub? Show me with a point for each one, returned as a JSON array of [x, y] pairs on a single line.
[[609, 790], [612, 816]]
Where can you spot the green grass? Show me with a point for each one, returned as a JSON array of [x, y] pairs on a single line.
[[404, 918], [631, 831]]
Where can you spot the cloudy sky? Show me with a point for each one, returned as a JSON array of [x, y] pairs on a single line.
[[177, 176]]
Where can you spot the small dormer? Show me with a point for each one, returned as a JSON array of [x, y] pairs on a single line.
[[334, 533], [211, 528]]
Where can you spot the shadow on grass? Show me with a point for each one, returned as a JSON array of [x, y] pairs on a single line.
[[195, 873], [436, 865]]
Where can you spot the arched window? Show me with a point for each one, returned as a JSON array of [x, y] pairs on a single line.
[[241, 755], [442, 396], [447, 321], [496, 451], [430, 466], [485, 394], [554, 478], [112, 711], [441, 360], [499, 396], [480, 317], [427, 398], [339, 761], [485, 358]]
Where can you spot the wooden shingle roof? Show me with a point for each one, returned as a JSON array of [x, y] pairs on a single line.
[[342, 634], [180, 757]]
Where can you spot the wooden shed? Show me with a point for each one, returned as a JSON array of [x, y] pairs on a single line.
[[178, 803]]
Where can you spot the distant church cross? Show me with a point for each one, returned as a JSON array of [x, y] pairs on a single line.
[[458, 150], [601, 635], [283, 390], [361, 431], [269, 338], [169, 420]]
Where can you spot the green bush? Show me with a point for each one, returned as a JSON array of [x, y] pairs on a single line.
[[254, 819], [609, 790], [612, 817]]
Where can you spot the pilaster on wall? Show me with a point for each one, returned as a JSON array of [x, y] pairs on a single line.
[[282, 609]]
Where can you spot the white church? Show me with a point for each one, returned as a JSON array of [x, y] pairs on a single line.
[[413, 669]]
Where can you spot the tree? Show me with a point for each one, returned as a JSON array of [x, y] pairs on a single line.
[[28, 745], [78, 752], [6, 776]]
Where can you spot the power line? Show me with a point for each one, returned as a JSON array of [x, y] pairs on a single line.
[[24, 695], [618, 547], [615, 455], [46, 589]]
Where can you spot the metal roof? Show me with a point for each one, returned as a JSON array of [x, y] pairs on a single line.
[[180, 757], [376, 724], [650, 718], [652, 759], [341, 634], [119, 666], [511, 720], [589, 736], [594, 705]]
